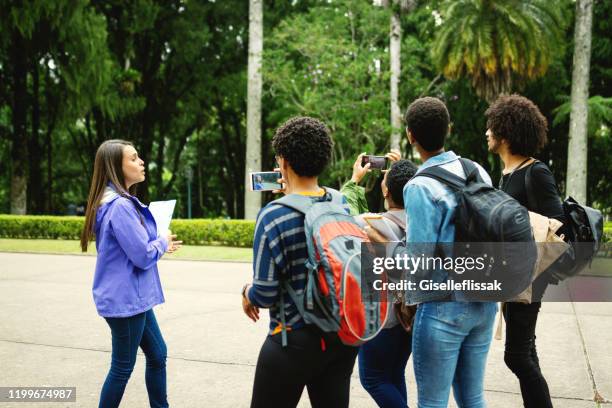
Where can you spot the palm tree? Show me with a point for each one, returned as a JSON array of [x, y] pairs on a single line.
[[252, 201], [498, 44], [576, 185]]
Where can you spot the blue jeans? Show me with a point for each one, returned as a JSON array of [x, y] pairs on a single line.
[[450, 343], [382, 367], [128, 333]]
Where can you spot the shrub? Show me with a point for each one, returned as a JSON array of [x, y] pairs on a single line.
[[237, 233], [40, 227], [215, 232]]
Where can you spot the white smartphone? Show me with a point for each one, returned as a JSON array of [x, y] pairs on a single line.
[[265, 180], [378, 223]]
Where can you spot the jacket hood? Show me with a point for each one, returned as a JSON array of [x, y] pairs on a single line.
[[109, 196]]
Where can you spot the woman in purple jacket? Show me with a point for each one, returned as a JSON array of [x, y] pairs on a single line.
[[126, 283]]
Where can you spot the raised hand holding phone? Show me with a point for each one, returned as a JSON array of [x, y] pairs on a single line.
[[359, 169], [282, 182]]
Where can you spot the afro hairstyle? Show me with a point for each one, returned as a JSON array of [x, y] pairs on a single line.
[[305, 143], [517, 120]]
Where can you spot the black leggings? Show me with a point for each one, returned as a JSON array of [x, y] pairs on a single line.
[[521, 356], [323, 367]]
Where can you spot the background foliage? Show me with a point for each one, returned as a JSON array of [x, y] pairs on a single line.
[[171, 77]]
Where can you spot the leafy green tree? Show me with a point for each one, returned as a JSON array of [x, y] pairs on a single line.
[[172, 77], [498, 44], [332, 63], [157, 100], [51, 51]]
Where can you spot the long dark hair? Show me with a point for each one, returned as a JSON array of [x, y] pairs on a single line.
[[108, 167]]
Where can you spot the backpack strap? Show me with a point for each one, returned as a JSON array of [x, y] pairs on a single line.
[[297, 202], [452, 180], [443, 176], [531, 199], [285, 286], [301, 204], [395, 219], [471, 170]]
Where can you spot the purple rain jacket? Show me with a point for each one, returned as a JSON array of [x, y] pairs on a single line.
[[126, 281]]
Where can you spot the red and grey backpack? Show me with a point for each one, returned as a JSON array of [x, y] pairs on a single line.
[[333, 299]]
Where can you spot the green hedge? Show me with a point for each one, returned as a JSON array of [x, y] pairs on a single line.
[[40, 227], [237, 233]]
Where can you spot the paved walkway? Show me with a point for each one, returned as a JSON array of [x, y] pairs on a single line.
[[50, 335]]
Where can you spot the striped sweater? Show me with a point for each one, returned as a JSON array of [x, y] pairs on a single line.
[[279, 249]]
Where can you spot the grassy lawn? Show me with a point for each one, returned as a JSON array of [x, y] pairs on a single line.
[[188, 252], [600, 266]]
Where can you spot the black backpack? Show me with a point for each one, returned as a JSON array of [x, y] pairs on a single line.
[[585, 231], [490, 223]]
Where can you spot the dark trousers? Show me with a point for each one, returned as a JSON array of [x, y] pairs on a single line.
[[521, 356], [382, 367], [323, 367], [128, 334]]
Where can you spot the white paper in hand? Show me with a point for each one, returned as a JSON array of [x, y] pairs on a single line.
[[162, 212]]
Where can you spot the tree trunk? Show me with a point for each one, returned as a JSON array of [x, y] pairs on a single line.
[[159, 163], [19, 150], [576, 185], [35, 190], [49, 150], [237, 184], [252, 201], [395, 43], [52, 112]]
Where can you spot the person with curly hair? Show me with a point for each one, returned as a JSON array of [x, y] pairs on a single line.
[[382, 360], [311, 358], [516, 131]]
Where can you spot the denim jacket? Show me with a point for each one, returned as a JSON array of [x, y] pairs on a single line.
[[430, 209]]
